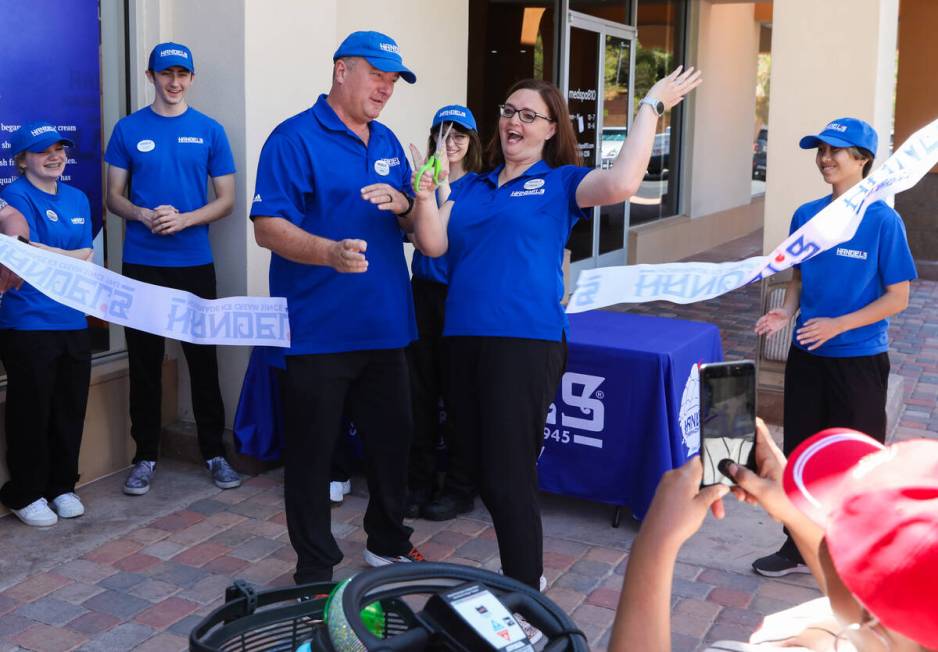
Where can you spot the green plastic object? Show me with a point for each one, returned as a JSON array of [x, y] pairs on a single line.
[[340, 632]]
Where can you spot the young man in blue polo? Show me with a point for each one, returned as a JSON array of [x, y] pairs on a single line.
[[160, 160], [331, 204]]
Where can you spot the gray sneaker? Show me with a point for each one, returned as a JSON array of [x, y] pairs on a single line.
[[223, 475], [138, 481]]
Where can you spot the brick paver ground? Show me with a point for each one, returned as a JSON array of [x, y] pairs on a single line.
[[146, 588]]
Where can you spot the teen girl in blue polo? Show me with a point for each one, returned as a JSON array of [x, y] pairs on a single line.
[[504, 322], [838, 363], [44, 346], [463, 159]]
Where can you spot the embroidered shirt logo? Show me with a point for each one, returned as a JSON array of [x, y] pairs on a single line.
[[383, 165], [856, 254], [78, 220], [257, 199], [51, 214], [146, 145], [195, 140]]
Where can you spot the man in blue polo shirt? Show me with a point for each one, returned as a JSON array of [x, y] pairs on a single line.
[[330, 204], [164, 154]]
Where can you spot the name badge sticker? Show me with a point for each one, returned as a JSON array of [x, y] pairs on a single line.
[[146, 145], [382, 167]]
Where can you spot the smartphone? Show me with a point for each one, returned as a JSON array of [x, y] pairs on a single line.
[[727, 417]]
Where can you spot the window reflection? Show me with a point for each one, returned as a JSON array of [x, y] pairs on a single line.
[[659, 50]]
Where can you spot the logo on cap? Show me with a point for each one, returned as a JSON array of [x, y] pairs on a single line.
[[45, 129], [461, 114], [389, 47], [836, 126], [174, 53]]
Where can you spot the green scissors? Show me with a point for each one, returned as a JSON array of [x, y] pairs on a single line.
[[435, 162]]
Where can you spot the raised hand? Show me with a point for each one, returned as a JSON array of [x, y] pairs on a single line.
[[675, 87]]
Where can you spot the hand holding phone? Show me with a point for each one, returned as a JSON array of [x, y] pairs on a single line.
[[727, 417]]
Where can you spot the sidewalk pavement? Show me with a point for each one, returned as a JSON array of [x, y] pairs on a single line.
[[139, 572]]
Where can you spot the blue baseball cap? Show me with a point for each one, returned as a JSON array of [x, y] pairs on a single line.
[[455, 113], [167, 55], [844, 132], [380, 50], [36, 137]]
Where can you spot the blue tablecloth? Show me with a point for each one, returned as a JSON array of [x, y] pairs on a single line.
[[617, 424]]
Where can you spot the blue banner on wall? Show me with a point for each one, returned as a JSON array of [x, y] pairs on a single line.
[[51, 70]]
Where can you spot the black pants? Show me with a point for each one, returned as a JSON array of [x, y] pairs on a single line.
[[372, 388], [145, 355], [47, 391], [500, 390], [428, 361], [823, 392]]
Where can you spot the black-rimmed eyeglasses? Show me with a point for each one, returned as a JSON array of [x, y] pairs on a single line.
[[525, 115]]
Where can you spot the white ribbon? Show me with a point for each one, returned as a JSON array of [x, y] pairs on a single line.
[[836, 223], [99, 292]]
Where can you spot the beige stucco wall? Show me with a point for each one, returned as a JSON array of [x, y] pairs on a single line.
[[819, 73], [720, 168]]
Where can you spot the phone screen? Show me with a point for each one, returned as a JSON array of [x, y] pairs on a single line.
[[727, 416]]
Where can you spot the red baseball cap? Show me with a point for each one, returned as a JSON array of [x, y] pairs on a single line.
[[879, 509]]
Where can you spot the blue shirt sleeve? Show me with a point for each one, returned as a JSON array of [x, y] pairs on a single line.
[[573, 175], [895, 258], [21, 203], [283, 181], [220, 158], [116, 152]]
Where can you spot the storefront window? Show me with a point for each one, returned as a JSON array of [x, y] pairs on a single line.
[[661, 28], [616, 11], [507, 42]]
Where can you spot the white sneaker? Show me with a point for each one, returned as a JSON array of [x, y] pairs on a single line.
[[338, 490], [68, 506], [533, 633], [37, 514], [542, 583]]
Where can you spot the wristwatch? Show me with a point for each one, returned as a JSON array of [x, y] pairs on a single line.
[[656, 105]]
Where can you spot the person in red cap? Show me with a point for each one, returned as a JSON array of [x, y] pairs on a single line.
[[864, 516]]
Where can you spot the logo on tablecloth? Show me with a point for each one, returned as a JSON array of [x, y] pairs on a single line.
[[581, 409], [689, 416]]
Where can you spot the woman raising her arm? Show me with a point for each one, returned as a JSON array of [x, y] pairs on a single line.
[[504, 322]]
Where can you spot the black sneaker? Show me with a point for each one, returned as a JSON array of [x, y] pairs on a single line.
[[778, 565], [416, 502], [446, 508]]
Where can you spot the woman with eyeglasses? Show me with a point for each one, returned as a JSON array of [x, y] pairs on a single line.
[[462, 159], [505, 326], [44, 346]]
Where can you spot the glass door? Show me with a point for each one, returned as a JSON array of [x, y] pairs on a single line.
[[598, 85]]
